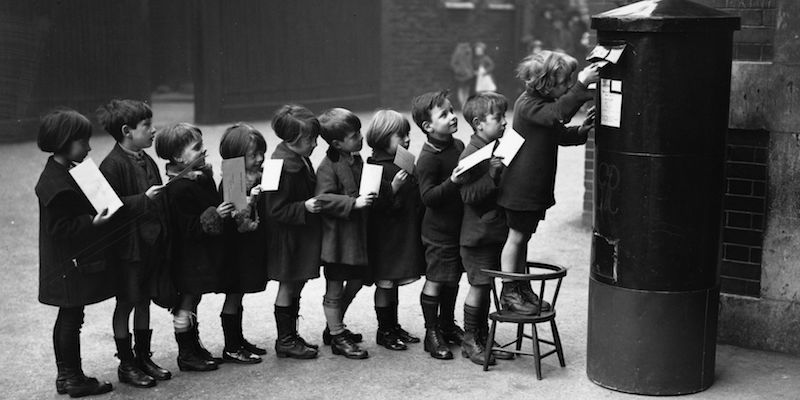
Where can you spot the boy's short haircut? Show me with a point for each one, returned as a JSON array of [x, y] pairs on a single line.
[[422, 105], [60, 127], [336, 123], [116, 113], [173, 138], [544, 70], [483, 104], [293, 121], [385, 123], [237, 139]]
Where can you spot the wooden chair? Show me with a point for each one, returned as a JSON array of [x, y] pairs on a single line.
[[551, 275]]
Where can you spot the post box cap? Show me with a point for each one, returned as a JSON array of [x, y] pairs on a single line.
[[665, 16]]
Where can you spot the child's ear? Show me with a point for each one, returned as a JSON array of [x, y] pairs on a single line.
[[126, 130], [476, 122], [336, 144], [426, 126]]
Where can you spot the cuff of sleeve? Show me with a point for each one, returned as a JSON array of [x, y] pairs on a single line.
[[211, 222]]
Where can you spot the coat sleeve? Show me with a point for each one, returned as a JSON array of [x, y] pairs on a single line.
[[280, 205], [572, 136], [477, 190], [112, 171], [197, 220], [561, 111], [333, 203], [65, 223], [434, 193]]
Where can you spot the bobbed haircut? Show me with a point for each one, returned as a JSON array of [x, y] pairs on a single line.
[[173, 138], [384, 124], [483, 104], [543, 70], [238, 138], [117, 113], [293, 121], [60, 127], [336, 123], [422, 105]]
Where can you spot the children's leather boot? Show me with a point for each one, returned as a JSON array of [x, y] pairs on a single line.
[[128, 372], [142, 339]]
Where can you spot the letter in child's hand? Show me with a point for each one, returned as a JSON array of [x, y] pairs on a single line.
[[271, 177], [404, 159], [509, 145], [234, 182], [95, 186], [370, 179], [484, 153]]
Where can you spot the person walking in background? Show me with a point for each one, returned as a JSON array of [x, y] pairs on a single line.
[[483, 70], [462, 64]]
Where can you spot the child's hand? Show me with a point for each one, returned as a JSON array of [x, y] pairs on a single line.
[[365, 200], [588, 123], [255, 191], [154, 191], [225, 209], [102, 217], [313, 206], [454, 177], [399, 180], [495, 167], [588, 75]]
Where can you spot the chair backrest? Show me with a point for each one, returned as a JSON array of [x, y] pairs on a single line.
[[552, 273]]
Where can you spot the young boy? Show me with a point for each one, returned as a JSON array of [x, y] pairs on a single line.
[[135, 178], [483, 229], [344, 226], [438, 185]]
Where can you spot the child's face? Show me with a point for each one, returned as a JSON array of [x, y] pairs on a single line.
[[351, 143], [254, 158], [443, 120], [192, 152], [493, 126], [304, 145], [562, 86], [78, 150], [141, 137], [397, 139]]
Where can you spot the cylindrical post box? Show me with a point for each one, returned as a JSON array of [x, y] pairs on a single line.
[[662, 115]]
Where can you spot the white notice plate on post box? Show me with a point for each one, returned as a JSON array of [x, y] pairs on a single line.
[[610, 102]]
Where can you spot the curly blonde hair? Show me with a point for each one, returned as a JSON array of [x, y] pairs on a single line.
[[545, 69]]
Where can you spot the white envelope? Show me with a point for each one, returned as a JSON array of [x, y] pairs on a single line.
[[271, 175], [95, 186], [234, 182], [370, 179], [509, 146], [484, 153]]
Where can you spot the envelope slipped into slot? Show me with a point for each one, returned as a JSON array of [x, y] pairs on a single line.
[[604, 54]]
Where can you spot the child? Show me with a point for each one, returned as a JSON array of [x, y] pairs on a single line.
[[196, 214], [133, 174], [551, 99], [294, 228], [483, 229], [344, 226], [484, 66], [245, 243], [438, 185], [395, 249], [72, 264]]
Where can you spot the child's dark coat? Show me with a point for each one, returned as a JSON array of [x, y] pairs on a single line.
[[444, 209], [484, 223], [245, 267]]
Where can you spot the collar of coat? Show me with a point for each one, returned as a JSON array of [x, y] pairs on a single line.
[[292, 162]]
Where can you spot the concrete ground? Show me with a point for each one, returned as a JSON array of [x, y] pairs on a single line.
[[28, 370]]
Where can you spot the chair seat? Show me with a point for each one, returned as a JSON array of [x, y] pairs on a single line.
[[510, 316]]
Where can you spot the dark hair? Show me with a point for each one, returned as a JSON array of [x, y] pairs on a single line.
[[543, 70], [293, 121], [117, 113], [422, 105], [335, 124], [237, 138], [385, 123], [483, 104], [173, 138], [60, 127]]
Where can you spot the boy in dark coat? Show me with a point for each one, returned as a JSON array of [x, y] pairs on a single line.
[[438, 185], [73, 269], [134, 176]]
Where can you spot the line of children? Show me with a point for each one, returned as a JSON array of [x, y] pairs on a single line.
[[434, 221]]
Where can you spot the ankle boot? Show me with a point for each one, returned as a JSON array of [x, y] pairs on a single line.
[[188, 359], [291, 346], [389, 340], [474, 349], [531, 297], [128, 372], [76, 384], [436, 345], [342, 345], [61, 378], [327, 337], [245, 343], [199, 348], [404, 335], [142, 338], [452, 333], [511, 299]]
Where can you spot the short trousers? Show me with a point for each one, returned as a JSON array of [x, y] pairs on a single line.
[[444, 262], [476, 258], [524, 221]]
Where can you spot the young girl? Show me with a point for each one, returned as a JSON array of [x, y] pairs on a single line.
[[72, 257], [344, 226], [245, 240], [551, 99], [396, 254], [293, 229], [196, 215]]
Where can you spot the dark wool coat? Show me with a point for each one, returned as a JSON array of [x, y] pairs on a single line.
[[197, 242], [443, 207], [344, 229], [294, 234], [245, 266], [528, 183], [484, 222], [145, 218], [73, 268], [395, 222]]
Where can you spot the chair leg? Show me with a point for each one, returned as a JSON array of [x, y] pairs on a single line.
[[489, 345], [536, 355], [557, 341], [520, 337]]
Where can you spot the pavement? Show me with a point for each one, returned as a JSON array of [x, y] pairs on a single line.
[[26, 346]]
